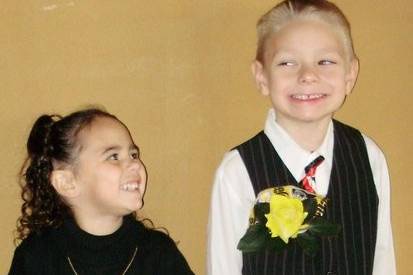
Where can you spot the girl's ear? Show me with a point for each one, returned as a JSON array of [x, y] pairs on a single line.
[[352, 75], [258, 73], [64, 183]]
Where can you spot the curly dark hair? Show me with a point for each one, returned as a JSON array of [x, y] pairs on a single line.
[[52, 141]]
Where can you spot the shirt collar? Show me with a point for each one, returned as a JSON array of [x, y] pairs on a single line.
[[293, 156]]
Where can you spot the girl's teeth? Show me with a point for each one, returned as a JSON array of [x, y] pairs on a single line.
[[129, 187]]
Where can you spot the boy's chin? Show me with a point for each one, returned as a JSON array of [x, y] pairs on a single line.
[[305, 119]]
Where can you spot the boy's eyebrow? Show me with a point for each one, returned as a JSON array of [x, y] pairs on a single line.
[[111, 148], [280, 52], [289, 51], [290, 54]]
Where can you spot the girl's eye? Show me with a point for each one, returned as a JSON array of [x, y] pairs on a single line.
[[326, 62], [134, 155], [114, 157]]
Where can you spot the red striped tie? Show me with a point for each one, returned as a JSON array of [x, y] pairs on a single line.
[[310, 174]]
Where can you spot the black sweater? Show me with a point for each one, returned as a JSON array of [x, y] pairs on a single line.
[[48, 252]]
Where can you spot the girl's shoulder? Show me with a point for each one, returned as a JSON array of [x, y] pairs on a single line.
[[36, 242], [156, 237], [161, 250], [146, 233], [28, 253]]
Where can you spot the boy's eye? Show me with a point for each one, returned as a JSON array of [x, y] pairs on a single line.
[[326, 62], [286, 63]]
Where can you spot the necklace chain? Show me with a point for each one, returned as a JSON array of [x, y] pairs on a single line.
[[123, 273]]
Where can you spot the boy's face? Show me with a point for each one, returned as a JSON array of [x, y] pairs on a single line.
[[305, 73]]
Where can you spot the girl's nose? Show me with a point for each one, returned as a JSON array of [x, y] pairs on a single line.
[[134, 164]]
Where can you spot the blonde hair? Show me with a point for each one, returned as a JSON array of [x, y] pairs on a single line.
[[286, 11]]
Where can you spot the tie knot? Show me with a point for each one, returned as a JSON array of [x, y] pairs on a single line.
[[308, 181], [311, 168]]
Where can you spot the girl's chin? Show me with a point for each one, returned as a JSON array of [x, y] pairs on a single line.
[[133, 206]]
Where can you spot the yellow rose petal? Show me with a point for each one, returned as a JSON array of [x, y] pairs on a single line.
[[286, 217]]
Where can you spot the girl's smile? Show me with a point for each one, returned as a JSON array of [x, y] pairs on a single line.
[[131, 186]]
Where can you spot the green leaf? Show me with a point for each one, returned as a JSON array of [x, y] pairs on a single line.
[[275, 243], [322, 227], [308, 243], [254, 239]]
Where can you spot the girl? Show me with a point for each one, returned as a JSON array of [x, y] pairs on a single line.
[[83, 180]]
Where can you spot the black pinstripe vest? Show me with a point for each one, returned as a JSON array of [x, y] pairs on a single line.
[[353, 204]]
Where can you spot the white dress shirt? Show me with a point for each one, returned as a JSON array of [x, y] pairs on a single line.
[[233, 198]]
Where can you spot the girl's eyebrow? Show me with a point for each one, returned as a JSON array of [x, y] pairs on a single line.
[[117, 148]]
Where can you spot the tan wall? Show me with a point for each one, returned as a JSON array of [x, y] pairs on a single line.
[[177, 73]]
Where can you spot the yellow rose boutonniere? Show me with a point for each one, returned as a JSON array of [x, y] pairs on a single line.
[[286, 217], [286, 213]]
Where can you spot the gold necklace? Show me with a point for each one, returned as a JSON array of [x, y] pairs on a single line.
[[123, 273]]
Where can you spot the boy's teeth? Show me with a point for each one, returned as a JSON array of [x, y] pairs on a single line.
[[306, 97]]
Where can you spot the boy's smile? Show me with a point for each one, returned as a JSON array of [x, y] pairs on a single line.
[[305, 72], [307, 97]]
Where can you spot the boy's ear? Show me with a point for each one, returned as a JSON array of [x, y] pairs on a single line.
[[258, 73], [64, 183], [352, 74]]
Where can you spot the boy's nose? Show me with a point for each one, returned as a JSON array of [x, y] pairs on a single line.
[[307, 74]]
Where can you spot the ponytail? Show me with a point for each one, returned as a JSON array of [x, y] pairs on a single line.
[[42, 207]]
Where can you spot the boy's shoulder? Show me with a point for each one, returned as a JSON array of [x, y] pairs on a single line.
[[370, 143], [347, 127], [232, 159], [232, 167], [376, 155]]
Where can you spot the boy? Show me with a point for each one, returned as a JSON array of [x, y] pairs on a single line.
[[306, 65]]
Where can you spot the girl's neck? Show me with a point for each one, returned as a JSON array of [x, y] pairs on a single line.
[[99, 226], [308, 135]]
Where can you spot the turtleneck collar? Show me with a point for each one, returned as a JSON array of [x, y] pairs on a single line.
[[85, 248]]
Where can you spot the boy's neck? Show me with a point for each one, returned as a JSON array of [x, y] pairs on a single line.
[[308, 135]]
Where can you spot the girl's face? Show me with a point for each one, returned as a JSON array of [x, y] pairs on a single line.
[[307, 74], [109, 174]]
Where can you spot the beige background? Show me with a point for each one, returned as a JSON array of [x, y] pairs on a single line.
[[177, 73]]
